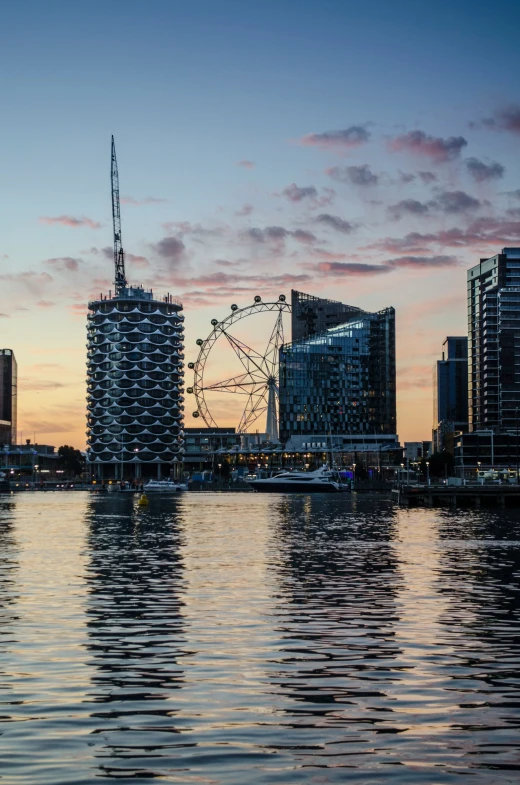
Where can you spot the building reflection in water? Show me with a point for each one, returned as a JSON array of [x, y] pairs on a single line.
[[338, 581], [9, 567], [136, 632], [479, 580]]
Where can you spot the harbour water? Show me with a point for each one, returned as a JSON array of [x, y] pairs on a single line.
[[230, 639]]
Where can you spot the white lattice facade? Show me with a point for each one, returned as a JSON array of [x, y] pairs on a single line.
[[135, 382]]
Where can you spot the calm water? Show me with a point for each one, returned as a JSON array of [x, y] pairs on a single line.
[[257, 639]]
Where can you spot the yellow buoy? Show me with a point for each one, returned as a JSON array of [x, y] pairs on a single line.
[[143, 500]]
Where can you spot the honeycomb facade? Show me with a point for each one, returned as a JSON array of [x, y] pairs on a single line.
[[135, 376]]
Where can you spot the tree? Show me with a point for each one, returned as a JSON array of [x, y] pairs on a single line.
[[71, 460], [441, 464]]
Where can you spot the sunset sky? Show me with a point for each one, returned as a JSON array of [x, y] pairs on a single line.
[[367, 152]]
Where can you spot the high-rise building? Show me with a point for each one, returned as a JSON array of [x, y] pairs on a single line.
[[494, 341], [135, 382], [450, 390], [340, 380], [8, 396], [134, 375], [312, 315]]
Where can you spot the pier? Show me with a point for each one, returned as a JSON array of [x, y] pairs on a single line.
[[474, 495]]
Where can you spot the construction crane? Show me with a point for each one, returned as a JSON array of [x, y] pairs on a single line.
[[119, 255]]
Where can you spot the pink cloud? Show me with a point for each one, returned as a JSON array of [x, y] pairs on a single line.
[[422, 262], [205, 289], [70, 220], [246, 164], [296, 193], [65, 263], [302, 236], [338, 269], [480, 232], [436, 148], [415, 377], [308, 193], [172, 249], [137, 261], [353, 175], [78, 309], [246, 209], [339, 141], [276, 236], [506, 119], [34, 282]]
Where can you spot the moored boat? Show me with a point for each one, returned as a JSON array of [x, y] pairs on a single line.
[[323, 480], [163, 486]]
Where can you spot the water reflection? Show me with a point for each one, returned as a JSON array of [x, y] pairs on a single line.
[[233, 638], [9, 595], [136, 631], [339, 580], [479, 578]]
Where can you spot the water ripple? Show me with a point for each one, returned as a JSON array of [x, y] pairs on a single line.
[[229, 638]]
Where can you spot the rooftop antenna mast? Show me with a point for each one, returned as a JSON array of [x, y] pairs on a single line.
[[119, 255]]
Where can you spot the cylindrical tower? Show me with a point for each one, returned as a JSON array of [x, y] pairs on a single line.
[[135, 385]]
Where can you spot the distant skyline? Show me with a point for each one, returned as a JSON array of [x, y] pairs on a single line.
[[367, 153]]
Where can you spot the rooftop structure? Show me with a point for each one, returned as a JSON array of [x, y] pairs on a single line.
[[312, 315]]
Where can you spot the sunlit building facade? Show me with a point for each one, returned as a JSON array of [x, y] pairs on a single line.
[[135, 385], [341, 380]]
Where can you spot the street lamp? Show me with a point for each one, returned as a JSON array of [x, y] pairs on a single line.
[[136, 470], [478, 470], [427, 472], [402, 469]]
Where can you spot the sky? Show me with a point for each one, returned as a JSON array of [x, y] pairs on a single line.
[[364, 152]]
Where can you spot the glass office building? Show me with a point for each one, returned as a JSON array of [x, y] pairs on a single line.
[[340, 380], [135, 384]]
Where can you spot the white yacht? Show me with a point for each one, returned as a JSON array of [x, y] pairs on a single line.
[[164, 486], [320, 481]]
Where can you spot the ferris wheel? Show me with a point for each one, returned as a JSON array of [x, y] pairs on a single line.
[[256, 384]]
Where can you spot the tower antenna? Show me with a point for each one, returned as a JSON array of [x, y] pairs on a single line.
[[119, 255]]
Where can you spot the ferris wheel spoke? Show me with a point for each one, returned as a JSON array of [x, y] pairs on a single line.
[[275, 342], [254, 408], [247, 356], [236, 386]]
